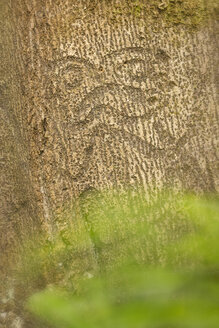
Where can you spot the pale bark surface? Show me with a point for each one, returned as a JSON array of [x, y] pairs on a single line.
[[105, 93], [111, 98]]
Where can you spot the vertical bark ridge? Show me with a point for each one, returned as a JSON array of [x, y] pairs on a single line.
[[18, 212]]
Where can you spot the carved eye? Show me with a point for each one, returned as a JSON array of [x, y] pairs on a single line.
[[73, 75], [74, 71], [133, 69]]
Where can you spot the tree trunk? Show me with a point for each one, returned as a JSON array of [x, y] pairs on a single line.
[[104, 93]]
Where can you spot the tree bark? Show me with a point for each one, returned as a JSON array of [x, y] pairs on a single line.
[[106, 93], [18, 211]]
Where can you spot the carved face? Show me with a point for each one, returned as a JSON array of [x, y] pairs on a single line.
[[121, 101]]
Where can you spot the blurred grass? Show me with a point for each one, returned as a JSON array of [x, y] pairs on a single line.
[[122, 261]]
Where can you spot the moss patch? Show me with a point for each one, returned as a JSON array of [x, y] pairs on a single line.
[[188, 12], [191, 13]]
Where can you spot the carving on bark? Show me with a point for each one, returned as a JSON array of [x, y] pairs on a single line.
[[110, 93]]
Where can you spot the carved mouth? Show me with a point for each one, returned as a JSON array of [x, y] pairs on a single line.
[[117, 109]]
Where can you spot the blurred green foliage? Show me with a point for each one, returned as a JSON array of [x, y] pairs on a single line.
[[123, 261]]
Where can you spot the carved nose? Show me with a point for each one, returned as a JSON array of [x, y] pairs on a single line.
[[120, 99]]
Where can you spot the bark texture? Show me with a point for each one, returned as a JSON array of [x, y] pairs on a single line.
[[107, 93], [17, 206]]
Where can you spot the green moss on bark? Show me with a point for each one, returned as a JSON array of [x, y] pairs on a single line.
[[188, 12], [191, 13]]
